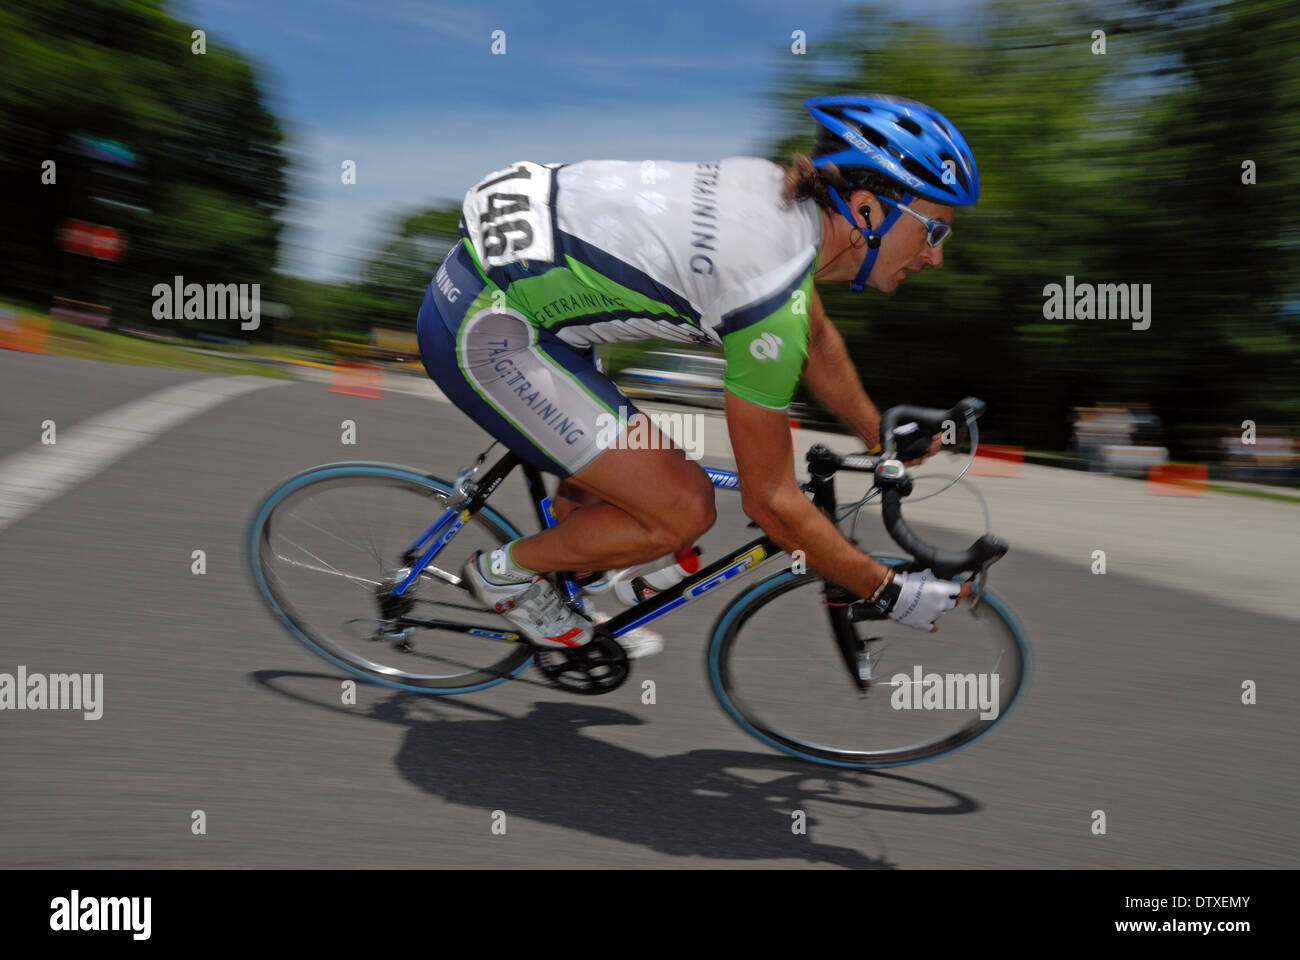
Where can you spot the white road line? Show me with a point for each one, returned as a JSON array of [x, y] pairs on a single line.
[[33, 477]]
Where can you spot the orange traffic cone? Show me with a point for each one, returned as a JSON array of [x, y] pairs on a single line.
[[994, 460], [20, 331], [356, 379], [1177, 479]]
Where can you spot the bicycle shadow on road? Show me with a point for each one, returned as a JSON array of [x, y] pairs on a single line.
[[542, 767]]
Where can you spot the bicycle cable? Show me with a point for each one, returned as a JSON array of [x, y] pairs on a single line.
[[973, 428]]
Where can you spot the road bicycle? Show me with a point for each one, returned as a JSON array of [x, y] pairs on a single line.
[[351, 557]]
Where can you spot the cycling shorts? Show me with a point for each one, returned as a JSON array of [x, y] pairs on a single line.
[[541, 397]]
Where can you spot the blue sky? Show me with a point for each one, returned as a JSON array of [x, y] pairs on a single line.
[[410, 91]]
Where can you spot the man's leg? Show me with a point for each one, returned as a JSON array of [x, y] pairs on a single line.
[[569, 497], [647, 503]]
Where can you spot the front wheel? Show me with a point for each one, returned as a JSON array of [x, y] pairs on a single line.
[[328, 546], [781, 676]]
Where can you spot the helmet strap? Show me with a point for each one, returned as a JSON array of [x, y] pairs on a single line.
[[873, 249]]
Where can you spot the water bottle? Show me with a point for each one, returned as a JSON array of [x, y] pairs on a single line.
[[636, 583]]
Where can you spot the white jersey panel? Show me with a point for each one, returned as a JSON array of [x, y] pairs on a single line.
[[716, 233]]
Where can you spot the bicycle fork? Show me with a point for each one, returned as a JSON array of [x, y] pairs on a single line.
[[852, 649]]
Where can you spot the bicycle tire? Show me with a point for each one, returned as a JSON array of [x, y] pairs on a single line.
[[723, 641], [516, 660]]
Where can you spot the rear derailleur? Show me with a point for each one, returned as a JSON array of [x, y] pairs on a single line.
[[392, 608]]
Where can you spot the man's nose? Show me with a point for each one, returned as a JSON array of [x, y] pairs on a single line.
[[932, 255]]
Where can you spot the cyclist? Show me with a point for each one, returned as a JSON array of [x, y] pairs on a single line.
[[557, 258]]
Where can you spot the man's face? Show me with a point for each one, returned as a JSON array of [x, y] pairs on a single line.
[[903, 250]]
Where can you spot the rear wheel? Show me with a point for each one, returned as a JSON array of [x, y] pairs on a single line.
[[328, 546], [774, 666]]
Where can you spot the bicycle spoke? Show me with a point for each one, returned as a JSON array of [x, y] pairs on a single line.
[[327, 568], [356, 525], [330, 533], [333, 572]]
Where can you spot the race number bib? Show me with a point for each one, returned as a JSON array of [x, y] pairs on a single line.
[[508, 215]]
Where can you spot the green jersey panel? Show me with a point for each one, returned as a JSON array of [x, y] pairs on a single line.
[[765, 359]]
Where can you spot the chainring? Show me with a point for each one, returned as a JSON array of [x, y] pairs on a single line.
[[596, 667]]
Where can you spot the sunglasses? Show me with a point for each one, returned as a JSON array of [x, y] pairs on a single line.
[[936, 231]]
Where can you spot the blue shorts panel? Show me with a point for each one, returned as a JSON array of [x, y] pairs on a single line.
[[542, 398]]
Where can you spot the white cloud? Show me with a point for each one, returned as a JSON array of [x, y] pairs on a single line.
[[458, 21]]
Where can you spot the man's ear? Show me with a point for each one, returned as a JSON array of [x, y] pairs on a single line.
[[863, 200], [861, 205]]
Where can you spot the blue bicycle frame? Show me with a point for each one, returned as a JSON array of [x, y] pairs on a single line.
[[472, 496]]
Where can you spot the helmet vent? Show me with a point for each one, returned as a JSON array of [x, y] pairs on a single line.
[[875, 136], [958, 170], [911, 166], [908, 124]]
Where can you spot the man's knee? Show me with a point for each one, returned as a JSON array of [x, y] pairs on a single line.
[[694, 514]]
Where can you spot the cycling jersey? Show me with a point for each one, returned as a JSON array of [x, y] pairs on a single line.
[[606, 250], [557, 258]]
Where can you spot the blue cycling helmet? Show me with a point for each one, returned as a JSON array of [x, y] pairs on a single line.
[[913, 145]]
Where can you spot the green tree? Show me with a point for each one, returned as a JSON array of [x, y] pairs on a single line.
[[1122, 167], [394, 280], [208, 181]]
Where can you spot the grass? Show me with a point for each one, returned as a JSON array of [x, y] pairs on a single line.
[[1262, 494], [285, 351], [68, 339]]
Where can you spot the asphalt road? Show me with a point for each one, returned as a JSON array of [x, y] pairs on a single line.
[[1133, 706]]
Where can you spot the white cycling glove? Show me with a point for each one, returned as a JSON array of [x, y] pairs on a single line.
[[922, 598]]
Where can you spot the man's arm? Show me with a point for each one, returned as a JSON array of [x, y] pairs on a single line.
[[764, 362], [833, 380], [831, 377], [770, 496]]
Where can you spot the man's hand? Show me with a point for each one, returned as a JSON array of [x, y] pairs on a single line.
[[911, 445], [936, 444], [916, 599]]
